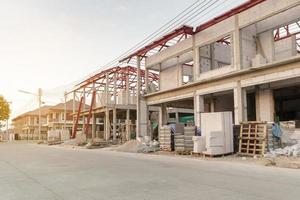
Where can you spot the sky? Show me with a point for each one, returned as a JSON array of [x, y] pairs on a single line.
[[51, 44]]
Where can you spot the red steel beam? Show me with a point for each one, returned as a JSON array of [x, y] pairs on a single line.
[[87, 125], [182, 30], [75, 126], [234, 11]]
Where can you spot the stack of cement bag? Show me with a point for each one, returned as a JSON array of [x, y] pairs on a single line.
[[165, 138]]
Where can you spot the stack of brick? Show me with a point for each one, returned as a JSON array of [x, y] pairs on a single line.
[[165, 138], [189, 132], [179, 142]]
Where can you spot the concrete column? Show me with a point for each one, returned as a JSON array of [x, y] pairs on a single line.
[[196, 59], [107, 89], [198, 109], [265, 107], [107, 125], [74, 108], [127, 90], [179, 69], [159, 80], [114, 123], [144, 117], [114, 109], [128, 124], [177, 117], [163, 115], [240, 104], [138, 103], [93, 125], [146, 77], [236, 45]]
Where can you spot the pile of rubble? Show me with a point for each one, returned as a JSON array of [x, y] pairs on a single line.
[[293, 150], [139, 146]]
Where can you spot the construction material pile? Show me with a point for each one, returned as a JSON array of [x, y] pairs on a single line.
[[289, 151], [135, 146], [97, 143], [165, 138], [189, 132]]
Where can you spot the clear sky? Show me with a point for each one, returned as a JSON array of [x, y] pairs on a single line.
[[53, 43]]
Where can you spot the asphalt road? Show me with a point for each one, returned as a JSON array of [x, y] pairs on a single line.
[[37, 172]]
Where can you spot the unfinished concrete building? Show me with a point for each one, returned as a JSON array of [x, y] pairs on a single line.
[[246, 61], [111, 96]]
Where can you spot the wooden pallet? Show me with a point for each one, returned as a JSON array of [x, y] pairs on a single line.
[[253, 138]]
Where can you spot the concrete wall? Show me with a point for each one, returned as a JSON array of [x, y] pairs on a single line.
[[169, 78], [285, 48]]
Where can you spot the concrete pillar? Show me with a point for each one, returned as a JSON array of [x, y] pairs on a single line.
[[146, 77], [236, 45], [212, 104], [127, 90], [107, 125], [159, 80], [177, 117], [180, 73], [265, 107], [128, 133], [144, 117], [240, 104], [114, 109], [196, 59], [114, 123], [93, 125], [198, 109], [83, 109], [138, 103], [163, 115], [74, 108]]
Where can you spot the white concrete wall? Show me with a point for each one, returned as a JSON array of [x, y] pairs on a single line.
[[285, 48], [169, 78]]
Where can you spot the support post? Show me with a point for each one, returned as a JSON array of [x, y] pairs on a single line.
[[196, 59], [240, 104], [93, 125], [198, 109], [265, 107], [65, 112], [128, 133], [138, 104], [114, 109], [236, 45]]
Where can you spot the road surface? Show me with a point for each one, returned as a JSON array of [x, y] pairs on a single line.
[[37, 172]]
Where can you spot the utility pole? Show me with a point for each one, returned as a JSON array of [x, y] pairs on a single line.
[[65, 112], [39, 95], [40, 104]]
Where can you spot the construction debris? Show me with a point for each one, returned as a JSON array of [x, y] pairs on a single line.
[[289, 151], [135, 146]]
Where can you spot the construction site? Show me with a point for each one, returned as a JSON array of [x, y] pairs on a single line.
[[206, 107], [229, 85], [225, 86]]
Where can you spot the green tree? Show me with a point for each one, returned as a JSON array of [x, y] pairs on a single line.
[[4, 110]]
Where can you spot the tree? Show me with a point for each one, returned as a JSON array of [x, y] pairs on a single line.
[[4, 110]]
